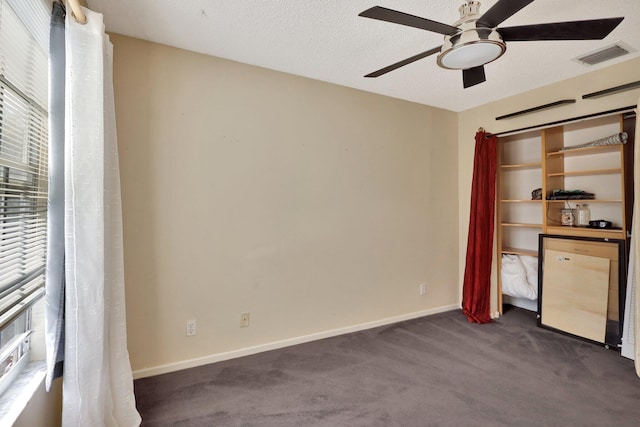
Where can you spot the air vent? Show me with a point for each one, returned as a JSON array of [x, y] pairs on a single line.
[[603, 55]]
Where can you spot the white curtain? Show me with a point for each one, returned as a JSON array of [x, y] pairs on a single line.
[[97, 379]]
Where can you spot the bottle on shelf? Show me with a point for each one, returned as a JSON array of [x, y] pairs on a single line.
[[584, 215]]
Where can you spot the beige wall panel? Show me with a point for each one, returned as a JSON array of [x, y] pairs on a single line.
[[312, 206]]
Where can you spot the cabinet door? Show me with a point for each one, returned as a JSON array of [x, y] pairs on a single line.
[[575, 293], [601, 249]]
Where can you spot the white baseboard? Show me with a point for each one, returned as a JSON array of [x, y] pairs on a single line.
[[219, 357]]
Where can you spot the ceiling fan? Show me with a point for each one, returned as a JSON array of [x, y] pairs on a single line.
[[476, 40]]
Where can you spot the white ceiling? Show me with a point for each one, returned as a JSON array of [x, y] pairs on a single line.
[[327, 40]]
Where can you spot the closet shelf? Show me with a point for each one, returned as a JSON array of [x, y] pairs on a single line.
[[520, 224], [586, 201], [520, 201], [520, 166], [515, 251], [587, 172], [611, 233]]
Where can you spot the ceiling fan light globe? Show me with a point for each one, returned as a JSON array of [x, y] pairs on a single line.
[[471, 54], [471, 48]]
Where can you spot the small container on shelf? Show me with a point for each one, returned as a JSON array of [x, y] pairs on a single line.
[[568, 217], [584, 215]]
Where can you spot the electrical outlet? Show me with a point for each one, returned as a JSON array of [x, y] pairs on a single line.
[[191, 327], [244, 320], [422, 289]]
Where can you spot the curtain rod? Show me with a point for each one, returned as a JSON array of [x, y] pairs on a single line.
[[77, 12]]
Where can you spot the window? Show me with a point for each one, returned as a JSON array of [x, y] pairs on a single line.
[[23, 177]]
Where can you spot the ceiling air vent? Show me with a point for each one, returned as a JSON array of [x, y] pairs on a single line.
[[602, 55]]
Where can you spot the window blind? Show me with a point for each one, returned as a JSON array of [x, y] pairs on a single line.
[[23, 164]]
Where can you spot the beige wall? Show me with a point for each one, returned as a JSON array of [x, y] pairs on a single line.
[[314, 207], [470, 120]]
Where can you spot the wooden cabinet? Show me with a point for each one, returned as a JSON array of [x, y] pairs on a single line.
[[547, 159]]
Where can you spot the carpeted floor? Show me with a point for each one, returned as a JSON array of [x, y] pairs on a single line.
[[438, 370]]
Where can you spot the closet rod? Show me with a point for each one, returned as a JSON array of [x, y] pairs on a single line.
[[573, 119], [77, 12]]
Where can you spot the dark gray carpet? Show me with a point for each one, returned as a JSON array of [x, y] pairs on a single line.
[[438, 370]]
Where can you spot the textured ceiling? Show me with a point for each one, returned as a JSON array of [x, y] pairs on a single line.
[[327, 40]]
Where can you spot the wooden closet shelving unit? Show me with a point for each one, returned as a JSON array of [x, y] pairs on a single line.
[[543, 159]]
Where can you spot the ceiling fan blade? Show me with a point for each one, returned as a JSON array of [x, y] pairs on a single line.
[[500, 11], [473, 76], [407, 61], [389, 15], [595, 29]]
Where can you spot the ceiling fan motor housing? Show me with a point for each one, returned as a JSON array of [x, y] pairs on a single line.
[[469, 10]]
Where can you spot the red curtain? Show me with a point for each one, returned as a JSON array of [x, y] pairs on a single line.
[[476, 289]]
